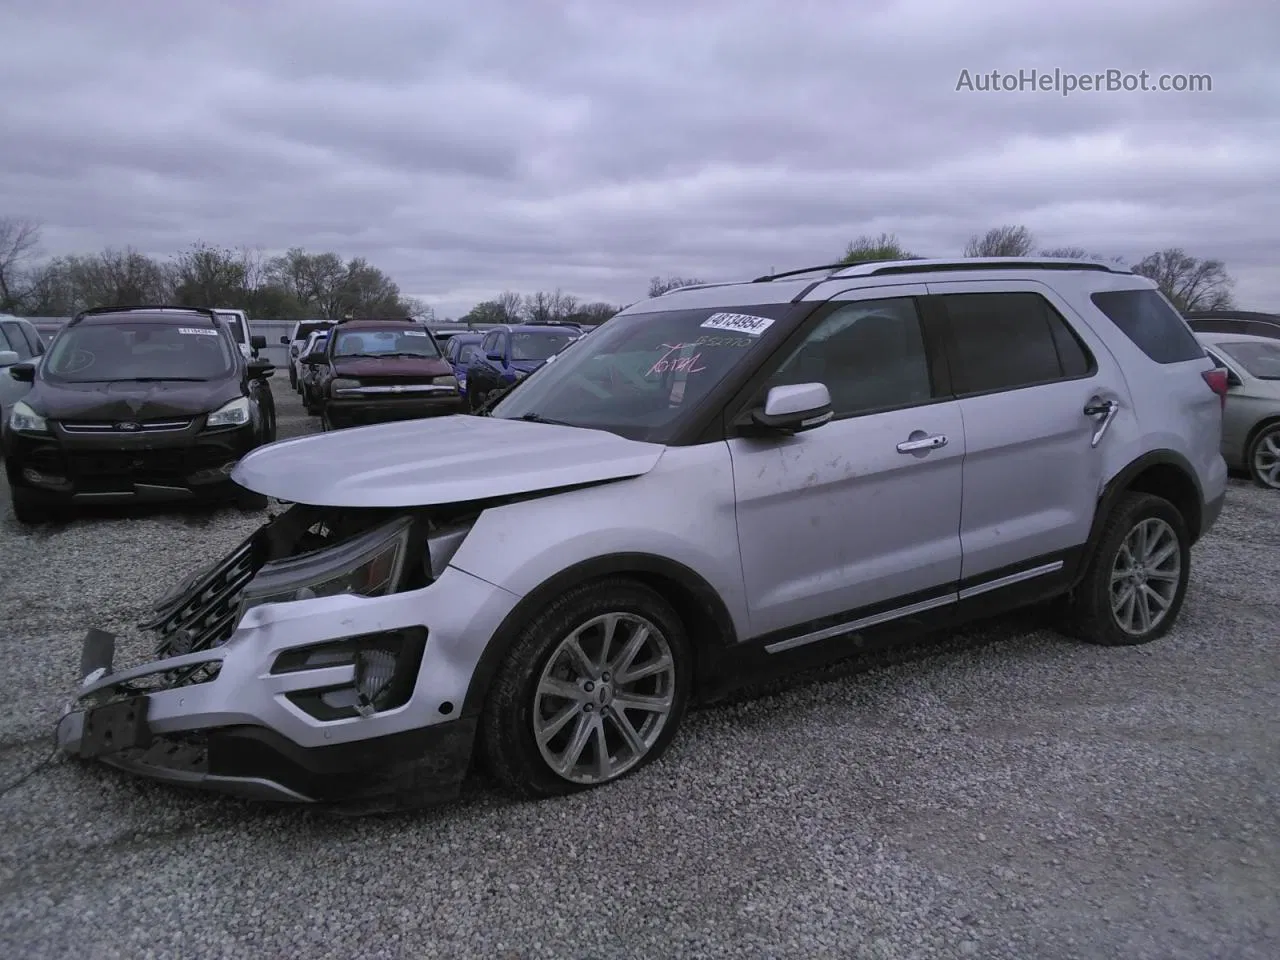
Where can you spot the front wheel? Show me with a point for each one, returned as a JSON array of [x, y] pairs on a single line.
[[594, 688], [1137, 577], [28, 511], [1264, 457]]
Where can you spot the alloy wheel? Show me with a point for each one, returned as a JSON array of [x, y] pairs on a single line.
[[1266, 459], [1145, 576], [604, 698]]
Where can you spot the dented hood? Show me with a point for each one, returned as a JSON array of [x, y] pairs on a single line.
[[439, 460]]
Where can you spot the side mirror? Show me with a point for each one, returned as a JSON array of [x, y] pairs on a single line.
[[22, 372], [794, 408], [8, 358], [261, 369], [258, 342], [284, 341]]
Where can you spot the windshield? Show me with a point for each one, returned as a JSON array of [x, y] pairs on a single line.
[[373, 343], [97, 352], [307, 329], [637, 375], [1261, 360], [527, 345], [232, 320]]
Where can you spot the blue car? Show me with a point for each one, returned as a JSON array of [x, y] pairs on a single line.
[[460, 350], [511, 352]]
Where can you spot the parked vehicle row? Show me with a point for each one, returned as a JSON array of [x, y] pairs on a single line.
[[1251, 418], [721, 483], [135, 404], [20, 342]]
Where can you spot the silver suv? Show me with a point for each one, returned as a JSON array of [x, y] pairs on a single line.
[[719, 484]]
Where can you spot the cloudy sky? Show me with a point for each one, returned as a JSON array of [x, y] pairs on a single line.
[[470, 147]]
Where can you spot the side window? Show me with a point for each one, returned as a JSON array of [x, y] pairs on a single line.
[[870, 354], [33, 338], [1147, 319], [1005, 341], [10, 338], [500, 344], [489, 344]]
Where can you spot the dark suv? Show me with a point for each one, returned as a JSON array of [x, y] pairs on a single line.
[[135, 404], [373, 371]]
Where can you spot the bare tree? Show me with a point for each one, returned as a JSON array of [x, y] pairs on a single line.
[[511, 304], [884, 247], [658, 286], [1189, 282], [418, 309], [117, 278], [19, 244], [314, 280], [1078, 253], [544, 307], [206, 276], [1006, 241]]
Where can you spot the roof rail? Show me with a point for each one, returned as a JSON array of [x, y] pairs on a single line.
[[698, 286], [884, 268], [1232, 315], [803, 270]]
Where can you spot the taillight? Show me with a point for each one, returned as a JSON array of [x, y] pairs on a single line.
[[1217, 381]]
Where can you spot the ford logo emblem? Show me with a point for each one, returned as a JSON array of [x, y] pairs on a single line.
[[128, 425]]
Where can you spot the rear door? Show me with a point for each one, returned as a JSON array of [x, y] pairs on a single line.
[[856, 522], [1039, 397]]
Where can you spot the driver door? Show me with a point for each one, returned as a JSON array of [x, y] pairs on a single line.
[[856, 522]]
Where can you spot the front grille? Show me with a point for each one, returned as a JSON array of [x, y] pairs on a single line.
[[114, 426], [201, 613]]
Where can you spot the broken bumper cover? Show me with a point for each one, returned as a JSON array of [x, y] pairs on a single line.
[[231, 719]]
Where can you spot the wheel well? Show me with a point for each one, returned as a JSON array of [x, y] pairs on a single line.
[[706, 621], [1253, 435], [1173, 484]]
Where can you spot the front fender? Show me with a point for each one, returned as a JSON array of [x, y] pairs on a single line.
[[683, 511]]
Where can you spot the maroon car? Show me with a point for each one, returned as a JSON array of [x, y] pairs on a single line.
[[373, 371]]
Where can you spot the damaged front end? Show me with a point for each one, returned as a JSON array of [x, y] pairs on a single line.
[[299, 702]]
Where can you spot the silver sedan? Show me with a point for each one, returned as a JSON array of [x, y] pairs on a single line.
[[1251, 420]]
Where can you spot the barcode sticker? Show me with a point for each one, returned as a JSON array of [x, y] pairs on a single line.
[[738, 322], [198, 331]]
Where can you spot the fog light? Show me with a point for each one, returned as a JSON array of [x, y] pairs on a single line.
[[213, 474], [39, 479], [375, 669]]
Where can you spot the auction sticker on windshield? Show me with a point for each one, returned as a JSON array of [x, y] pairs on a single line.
[[740, 322], [197, 331], [415, 333]]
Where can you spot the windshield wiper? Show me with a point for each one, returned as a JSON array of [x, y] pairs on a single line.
[[539, 418], [154, 380]]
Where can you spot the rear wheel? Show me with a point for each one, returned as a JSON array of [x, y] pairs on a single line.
[[1264, 457], [1136, 580], [594, 688], [293, 378]]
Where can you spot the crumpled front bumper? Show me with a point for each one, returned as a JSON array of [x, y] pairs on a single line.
[[220, 719]]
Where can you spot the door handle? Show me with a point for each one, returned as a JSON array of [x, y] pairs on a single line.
[[917, 444], [1106, 410]]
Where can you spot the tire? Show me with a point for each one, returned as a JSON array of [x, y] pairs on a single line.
[[293, 378], [509, 747], [1090, 615], [1263, 457], [29, 512], [249, 501], [269, 433], [328, 423]]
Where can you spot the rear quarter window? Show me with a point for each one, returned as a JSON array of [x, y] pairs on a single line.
[[1146, 318]]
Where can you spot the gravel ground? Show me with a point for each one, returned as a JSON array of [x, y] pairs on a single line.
[[1010, 795]]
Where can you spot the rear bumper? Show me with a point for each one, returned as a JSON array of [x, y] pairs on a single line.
[[223, 719]]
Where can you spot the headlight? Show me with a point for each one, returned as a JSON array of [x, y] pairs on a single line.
[[344, 383], [23, 418], [233, 414], [368, 565], [446, 381]]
